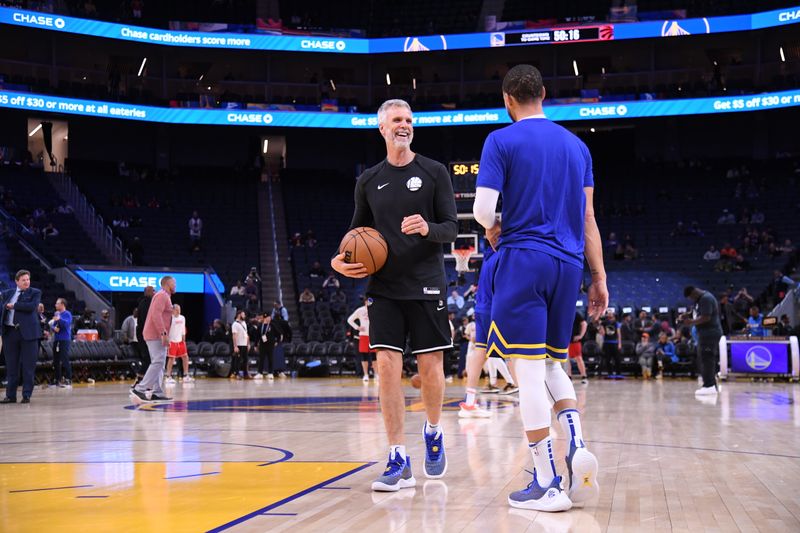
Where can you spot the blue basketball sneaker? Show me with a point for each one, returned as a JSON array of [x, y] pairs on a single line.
[[582, 466], [396, 476], [536, 498], [435, 458]]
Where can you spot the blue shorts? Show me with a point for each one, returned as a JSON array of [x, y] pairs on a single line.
[[533, 305], [483, 301]]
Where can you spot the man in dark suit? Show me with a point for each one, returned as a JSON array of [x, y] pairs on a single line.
[[21, 332], [268, 336]]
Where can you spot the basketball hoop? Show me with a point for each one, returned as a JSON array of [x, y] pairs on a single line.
[[462, 257]]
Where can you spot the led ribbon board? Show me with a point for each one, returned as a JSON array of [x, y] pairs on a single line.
[[301, 119], [423, 43]]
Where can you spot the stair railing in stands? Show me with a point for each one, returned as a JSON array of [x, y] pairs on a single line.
[[100, 232]]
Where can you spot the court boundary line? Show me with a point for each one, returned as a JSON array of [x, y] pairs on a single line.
[[304, 492]]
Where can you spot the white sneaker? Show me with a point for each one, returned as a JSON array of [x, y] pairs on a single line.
[[472, 411], [582, 466], [706, 391], [270, 377], [258, 376], [169, 381], [188, 379], [282, 375], [365, 379]]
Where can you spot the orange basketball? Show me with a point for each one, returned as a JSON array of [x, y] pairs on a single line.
[[366, 246], [416, 381]]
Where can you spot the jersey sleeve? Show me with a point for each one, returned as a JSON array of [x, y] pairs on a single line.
[[492, 170], [362, 216], [588, 176], [445, 226]]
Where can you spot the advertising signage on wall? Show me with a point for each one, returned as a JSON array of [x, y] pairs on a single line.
[[310, 119], [425, 43]]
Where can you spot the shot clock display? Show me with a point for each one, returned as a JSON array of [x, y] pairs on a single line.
[[464, 174]]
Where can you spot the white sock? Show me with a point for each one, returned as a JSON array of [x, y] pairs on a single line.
[[395, 449], [431, 429], [543, 462], [471, 395], [492, 371], [571, 424]]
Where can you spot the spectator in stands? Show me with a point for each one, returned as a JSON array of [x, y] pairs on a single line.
[[137, 251], [128, 329], [49, 231], [712, 254], [250, 289], [757, 217], [278, 310], [62, 341], [307, 297], [105, 328], [787, 247], [195, 231], [44, 322], [238, 289], [253, 276], [331, 283], [216, 332], [241, 347], [611, 343], [730, 319], [627, 331], [784, 327], [339, 297], [742, 301], [86, 321], [469, 294], [680, 230], [310, 239], [455, 300], [726, 218], [136, 8], [646, 351], [252, 305], [316, 270], [694, 229], [612, 242], [642, 325], [296, 240], [664, 350], [754, 327]]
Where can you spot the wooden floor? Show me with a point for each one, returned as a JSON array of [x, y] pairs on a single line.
[[299, 455]]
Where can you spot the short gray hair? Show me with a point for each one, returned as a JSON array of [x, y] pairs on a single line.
[[395, 102]]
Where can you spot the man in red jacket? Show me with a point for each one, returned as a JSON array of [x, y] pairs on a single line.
[[156, 336]]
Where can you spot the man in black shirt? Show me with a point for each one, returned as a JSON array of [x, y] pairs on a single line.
[[709, 331], [144, 354], [612, 343], [409, 199]]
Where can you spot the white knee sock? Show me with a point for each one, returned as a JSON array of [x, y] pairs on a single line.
[[490, 362], [543, 462], [533, 404], [558, 383], [501, 366]]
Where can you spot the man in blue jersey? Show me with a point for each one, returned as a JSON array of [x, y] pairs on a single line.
[[61, 324], [544, 174]]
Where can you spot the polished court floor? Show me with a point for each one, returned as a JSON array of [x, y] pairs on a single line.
[[299, 455]]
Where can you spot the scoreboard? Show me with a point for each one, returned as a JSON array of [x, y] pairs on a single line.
[[561, 35], [464, 174]]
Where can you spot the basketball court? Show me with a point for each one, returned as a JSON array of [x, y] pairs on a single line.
[[299, 455]]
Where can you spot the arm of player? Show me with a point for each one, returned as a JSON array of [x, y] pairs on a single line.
[[362, 216], [351, 320], [593, 250], [484, 209]]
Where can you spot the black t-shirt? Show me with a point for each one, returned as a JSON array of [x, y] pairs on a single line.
[[384, 195], [610, 327], [143, 307], [627, 331], [710, 331], [576, 325]]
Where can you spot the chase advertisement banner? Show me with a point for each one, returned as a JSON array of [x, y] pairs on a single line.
[[423, 43], [760, 357], [301, 119], [136, 281]]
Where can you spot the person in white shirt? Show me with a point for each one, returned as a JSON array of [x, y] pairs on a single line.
[[177, 346], [241, 345], [238, 289], [359, 321]]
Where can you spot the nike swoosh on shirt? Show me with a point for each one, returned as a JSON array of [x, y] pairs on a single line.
[[440, 308], [382, 186]]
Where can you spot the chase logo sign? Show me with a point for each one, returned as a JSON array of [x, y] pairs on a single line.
[[604, 111], [133, 281], [323, 44], [139, 282], [38, 20], [789, 16]]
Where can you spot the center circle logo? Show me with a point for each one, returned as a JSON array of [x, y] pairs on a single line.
[[414, 184], [758, 358], [622, 110], [59, 23]]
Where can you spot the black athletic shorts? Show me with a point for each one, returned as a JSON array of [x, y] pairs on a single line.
[[423, 321]]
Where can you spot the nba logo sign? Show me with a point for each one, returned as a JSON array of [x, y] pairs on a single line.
[[497, 39]]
